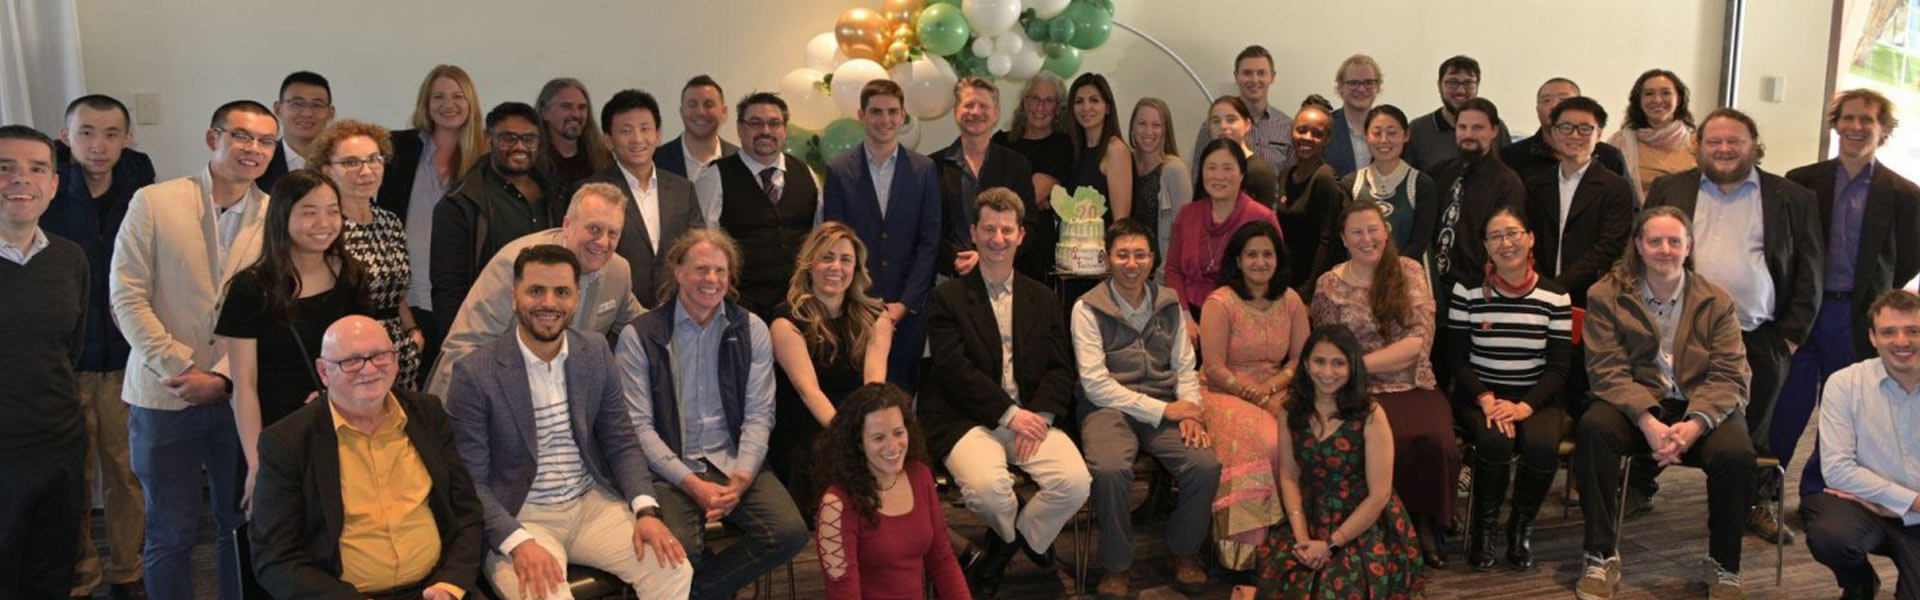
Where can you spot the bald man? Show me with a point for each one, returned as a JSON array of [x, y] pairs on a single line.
[[362, 495]]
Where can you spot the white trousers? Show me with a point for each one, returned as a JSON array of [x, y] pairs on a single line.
[[979, 463], [594, 530]]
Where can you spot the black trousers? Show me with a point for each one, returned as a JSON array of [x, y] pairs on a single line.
[[1605, 434], [40, 508], [1536, 439], [1767, 357], [1841, 534]]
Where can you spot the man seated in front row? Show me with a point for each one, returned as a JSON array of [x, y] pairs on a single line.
[[1871, 458], [1141, 392], [1669, 377], [361, 495], [1002, 377], [698, 373], [541, 425]]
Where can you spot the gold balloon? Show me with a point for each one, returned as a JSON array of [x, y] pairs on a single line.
[[902, 12], [897, 53], [862, 33], [903, 33]]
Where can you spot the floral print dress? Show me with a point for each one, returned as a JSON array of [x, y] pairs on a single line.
[[1383, 562]]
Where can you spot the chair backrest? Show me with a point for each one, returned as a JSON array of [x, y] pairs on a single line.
[[1579, 322]]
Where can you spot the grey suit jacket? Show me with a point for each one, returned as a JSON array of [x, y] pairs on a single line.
[[679, 211], [492, 410]]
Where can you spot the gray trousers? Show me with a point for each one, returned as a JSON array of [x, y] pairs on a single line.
[[1112, 441]]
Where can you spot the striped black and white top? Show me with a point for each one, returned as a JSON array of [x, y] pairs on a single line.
[[1516, 347], [559, 474]]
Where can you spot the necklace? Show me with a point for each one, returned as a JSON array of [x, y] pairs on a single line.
[[890, 485]]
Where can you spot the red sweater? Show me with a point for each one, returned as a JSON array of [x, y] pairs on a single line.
[[891, 557], [1194, 251]]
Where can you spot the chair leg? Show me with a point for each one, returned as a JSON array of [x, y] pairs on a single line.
[[1620, 510], [1566, 491], [1779, 524]]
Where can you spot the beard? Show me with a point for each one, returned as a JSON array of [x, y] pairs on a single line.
[[1736, 174], [1474, 152]]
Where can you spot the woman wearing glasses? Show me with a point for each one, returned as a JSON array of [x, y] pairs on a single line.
[[1038, 132], [354, 154], [1358, 83]]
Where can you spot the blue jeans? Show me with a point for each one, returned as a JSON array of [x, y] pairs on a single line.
[[170, 450]]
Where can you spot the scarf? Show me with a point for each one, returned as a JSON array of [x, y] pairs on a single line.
[[1665, 137], [1511, 289]]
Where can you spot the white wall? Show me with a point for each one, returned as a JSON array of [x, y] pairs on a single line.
[[1787, 41], [198, 54]]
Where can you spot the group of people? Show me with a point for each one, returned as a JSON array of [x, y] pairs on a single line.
[[466, 355]]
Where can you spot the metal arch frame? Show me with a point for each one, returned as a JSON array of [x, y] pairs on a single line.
[[1206, 94]]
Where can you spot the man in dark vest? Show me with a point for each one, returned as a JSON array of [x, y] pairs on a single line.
[[763, 197]]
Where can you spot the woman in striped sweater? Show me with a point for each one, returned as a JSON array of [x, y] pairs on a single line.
[[1517, 329]]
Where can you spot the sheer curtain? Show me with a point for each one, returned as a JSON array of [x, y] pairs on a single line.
[[40, 66]]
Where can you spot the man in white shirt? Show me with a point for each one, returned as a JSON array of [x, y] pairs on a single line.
[[662, 205], [304, 108]]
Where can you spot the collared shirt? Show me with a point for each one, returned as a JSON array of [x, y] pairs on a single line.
[[1731, 228], [1362, 154], [294, 160], [226, 221], [1843, 238], [697, 167], [708, 189], [559, 472], [1000, 295], [1568, 185], [969, 187], [1090, 359], [1271, 137], [696, 374], [427, 191], [1666, 315], [880, 168], [757, 420], [19, 255], [647, 199], [1867, 446], [389, 538]]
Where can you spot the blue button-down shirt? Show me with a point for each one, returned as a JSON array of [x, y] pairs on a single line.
[[1866, 448], [695, 353], [1730, 245], [1843, 238]]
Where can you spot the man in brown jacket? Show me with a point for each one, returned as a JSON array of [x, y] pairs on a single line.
[[1664, 350]]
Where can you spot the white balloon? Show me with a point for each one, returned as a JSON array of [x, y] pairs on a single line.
[[999, 65], [928, 83], [909, 134], [849, 78], [810, 106], [1047, 9], [983, 47], [1027, 62], [990, 17], [823, 53], [1010, 43]]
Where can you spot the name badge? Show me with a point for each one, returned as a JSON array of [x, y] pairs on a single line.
[[608, 305]]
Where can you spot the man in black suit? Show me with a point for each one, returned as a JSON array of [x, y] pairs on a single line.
[[1003, 377], [703, 107], [1540, 154], [364, 451], [661, 204], [973, 163], [1581, 216], [304, 108], [1871, 219], [1757, 233]]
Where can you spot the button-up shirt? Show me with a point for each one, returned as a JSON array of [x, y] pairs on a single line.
[[880, 168], [1731, 229], [427, 191], [295, 161], [708, 188], [1843, 238], [1090, 353], [1666, 315], [388, 537], [1568, 185], [695, 354], [646, 198], [1271, 137], [20, 255], [559, 473], [696, 373], [1867, 447], [1000, 295]]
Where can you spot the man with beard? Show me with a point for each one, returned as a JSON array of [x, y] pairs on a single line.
[[591, 229], [662, 205], [1431, 137], [1271, 136], [971, 164], [1472, 183], [305, 108], [1539, 154], [497, 202], [765, 198], [1761, 232], [571, 149], [541, 422], [703, 106]]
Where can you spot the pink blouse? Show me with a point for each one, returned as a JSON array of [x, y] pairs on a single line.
[[1338, 301]]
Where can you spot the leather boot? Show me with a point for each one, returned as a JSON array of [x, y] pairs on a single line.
[[1489, 492], [1530, 488]]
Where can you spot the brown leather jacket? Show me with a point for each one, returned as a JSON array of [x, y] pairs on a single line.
[[1622, 339]]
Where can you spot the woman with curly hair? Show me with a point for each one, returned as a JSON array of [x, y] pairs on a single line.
[[1346, 535], [354, 155], [879, 539], [829, 337]]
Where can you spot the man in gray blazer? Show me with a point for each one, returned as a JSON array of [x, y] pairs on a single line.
[[660, 206], [540, 421], [591, 230], [180, 242]]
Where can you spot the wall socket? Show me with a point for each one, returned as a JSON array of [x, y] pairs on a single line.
[[1773, 88], [146, 109]]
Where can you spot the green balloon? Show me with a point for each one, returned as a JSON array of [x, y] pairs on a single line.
[[1037, 29], [942, 29], [1060, 30], [954, 3], [1092, 25], [840, 136], [1062, 60], [1106, 5], [802, 142]]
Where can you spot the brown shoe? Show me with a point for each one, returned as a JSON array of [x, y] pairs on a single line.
[[1113, 586], [1188, 576], [1760, 523]]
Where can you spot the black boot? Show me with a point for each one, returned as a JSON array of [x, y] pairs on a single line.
[[1489, 492], [991, 567], [1530, 488]]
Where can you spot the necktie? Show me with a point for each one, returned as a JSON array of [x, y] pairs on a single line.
[[767, 186], [1449, 216]]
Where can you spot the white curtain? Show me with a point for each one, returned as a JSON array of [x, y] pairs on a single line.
[[40, 67]]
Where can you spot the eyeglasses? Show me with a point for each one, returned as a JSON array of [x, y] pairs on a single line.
[[1460, 84], [1358, 84], [508, 140], [767, 124], [1041, 101], [353, 364], [1571, 128], [1506, 236], [306, 105], [353, 163], [243, 138]]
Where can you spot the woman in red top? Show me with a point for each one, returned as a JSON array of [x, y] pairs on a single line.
[[881, 535]]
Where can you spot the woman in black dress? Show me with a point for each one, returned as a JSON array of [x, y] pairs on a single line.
[[1101, 158], [1311, 197], [276, 310], [829, 337], [1038, 132]]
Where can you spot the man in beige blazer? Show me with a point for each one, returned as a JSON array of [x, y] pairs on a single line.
[[181, 240], [591, 229]]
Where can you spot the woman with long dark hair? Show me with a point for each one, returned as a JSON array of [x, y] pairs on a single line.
[[1201, 229], [1229, 118], [1101, 158], [1658, 137], [1347, 535], [1251, 331], [276, 310], [882, 533]]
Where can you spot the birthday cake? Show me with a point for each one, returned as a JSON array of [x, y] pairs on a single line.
[[1082, 249]]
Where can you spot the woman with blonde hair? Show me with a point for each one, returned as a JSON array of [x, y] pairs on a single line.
[[830, 337], [445, 140], [1161, 182]]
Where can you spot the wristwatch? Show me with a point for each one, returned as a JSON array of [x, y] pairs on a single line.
[[644, 512], [1332, 547]]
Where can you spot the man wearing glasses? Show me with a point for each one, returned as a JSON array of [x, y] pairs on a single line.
[[502, 200], [765, 198], [1539, 154], [1432, 140], [180, 241], [305, 108], [365, 449]]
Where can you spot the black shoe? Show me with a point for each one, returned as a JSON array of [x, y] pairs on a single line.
[[1044, 560], [992, 566], [132, 590], [1866, 590], [1432, 551], [1530, 488], [1638, 504]]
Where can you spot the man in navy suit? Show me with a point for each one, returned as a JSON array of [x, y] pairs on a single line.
[[703, 107], [542, 425], [890, 196]]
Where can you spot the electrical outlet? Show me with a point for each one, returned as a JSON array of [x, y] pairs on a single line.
[[1773, 88], [146, 108]]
